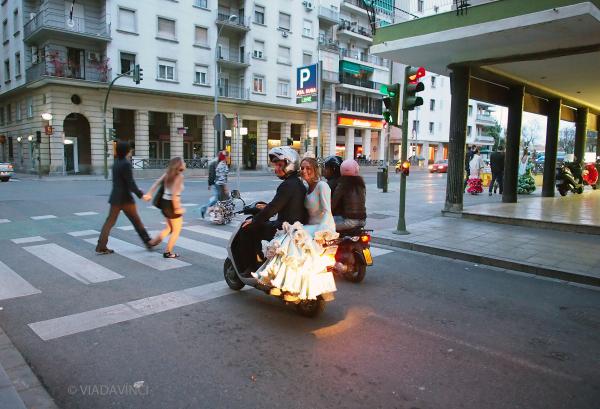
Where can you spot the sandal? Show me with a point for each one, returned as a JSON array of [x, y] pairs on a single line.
[[168, 254], [104, 251]]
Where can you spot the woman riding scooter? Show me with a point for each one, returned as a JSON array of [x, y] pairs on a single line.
[[348, 199], [331, 171]]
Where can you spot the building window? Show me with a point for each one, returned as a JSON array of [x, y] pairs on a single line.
[[432, 81], [203, 4], [167, 70], [17, 65], [1, 116], [18, 108], [259, 14], [470, 110], [30, 107], [469, 128], [415, 127], [16, 24], [201, 74], [127, 20], [5, 31], [306, 58], [8, 114], [283, 88], [285, 21], [201, 36], [258, 84], [431, 128], [166, 29], [259, 49], [432, 104], [6, 71], [283, 55], [307, 28], [127, 62], [420, 5]]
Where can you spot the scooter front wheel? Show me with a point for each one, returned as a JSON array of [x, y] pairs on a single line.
[[231, 278], [311, 308]]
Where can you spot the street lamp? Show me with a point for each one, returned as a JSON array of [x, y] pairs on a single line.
[[231, 19], [47, 116]]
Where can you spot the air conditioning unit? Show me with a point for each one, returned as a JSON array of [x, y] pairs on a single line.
[[308, 5], [284, 34], [93, 56], [258, 54]]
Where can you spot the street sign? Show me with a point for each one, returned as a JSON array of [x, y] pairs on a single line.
[[306, 84], [220, 122]]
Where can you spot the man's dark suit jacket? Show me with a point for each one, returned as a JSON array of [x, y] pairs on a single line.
[[497, 162], [123, 183]]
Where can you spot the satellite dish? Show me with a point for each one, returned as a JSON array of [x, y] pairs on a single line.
[[70, 23]]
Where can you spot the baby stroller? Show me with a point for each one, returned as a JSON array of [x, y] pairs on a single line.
[[224, 210]]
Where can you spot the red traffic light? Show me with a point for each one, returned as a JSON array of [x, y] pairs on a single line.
[[415, 74], [405, 168]]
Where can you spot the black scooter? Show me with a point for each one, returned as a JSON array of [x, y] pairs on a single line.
[[353, 254], [236, 275], [567, 180]]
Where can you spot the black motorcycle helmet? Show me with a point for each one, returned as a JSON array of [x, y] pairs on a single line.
[[333, 162]]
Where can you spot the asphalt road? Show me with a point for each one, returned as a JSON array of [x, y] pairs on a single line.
[[131, 330]]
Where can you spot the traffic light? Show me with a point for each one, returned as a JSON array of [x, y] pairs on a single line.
[[405, 168], [411, 87], [138, 74], [392, 104], [112, 134]]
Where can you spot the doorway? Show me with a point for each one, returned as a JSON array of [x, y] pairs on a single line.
[[71, 158]]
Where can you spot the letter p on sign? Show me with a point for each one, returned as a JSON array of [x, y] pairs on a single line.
[[304, 76]]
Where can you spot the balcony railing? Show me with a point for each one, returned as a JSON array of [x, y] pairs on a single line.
[[63, 70], [50, 19], [370, 106], [485, 118], [328, 43], [373, 59], [234, 57], [234, 92], [329, 14], [355, 28], [359, 82], [241, 21], [330, 76]]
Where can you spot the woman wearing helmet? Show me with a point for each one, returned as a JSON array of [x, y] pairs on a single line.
[[331, 170], [348, 200]]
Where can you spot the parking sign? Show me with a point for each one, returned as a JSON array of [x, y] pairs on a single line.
[[306, 84]]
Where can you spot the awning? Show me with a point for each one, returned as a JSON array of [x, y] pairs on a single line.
[[354, 68]]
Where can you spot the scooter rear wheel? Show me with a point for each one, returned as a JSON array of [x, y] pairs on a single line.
[[311, 308], [358, 275], [562, 191], [231, 278]]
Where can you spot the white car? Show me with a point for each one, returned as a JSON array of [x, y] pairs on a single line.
[[6, 171]]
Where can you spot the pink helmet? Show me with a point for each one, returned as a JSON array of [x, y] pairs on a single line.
[[349, 167]]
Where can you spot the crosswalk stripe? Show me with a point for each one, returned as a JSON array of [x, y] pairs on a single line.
[[102, 317], [378, 251], [141, 255], [24, 240], [4, 221], [13, 285], [190, 205], [47, 216], [72, 264], [126, 228], [85, 213], [83, 233], [221, 234], [196, 246]]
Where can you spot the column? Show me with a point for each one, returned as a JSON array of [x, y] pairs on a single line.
[[460, 89], [332, 135], [208, 137], [382, 145], [142, 135], [286, 132], [513, 141], [366, 143], [236, 145], [262, 144], [303, 138], [552, 125], [425, 153], [580, 134], [176, 137], [349, 143]]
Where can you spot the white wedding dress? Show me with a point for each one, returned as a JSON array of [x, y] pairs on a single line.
[[297, 261]]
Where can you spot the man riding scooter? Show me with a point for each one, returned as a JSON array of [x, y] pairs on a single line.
[[288, 205]]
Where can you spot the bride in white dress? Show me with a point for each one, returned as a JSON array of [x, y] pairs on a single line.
[[297, 261]]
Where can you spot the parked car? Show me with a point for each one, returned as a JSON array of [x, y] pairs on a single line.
[[6, 171], [441, 166]]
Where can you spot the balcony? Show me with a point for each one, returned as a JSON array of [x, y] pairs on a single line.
[[330, 76], [48, 23], [486, 118], [234, 60], [328, 104], [56, 69], [370, 107], [241, 23], [233, 92], [354, 5], [328, 44], [360, 82], [364, 57], [352, 29], [328, 15]]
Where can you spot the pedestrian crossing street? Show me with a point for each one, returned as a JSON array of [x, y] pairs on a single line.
[[64, 253]]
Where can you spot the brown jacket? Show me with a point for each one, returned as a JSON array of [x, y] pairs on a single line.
[[348, 199]]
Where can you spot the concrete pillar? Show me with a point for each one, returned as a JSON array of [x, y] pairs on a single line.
[[425, 152], [366, 143], [513, 141], [142, 134], [236, 145], [382, 145], [262, 144], [208, 137], [552, 125], [304, 137], [349, 143], [332, 135], [176, 137], [286, 132], [580, 134], [460, 89]]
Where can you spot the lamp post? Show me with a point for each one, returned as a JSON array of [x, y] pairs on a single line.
[[231, 19]]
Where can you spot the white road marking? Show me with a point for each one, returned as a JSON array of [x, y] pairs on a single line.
[[152, 207], [48, 216], [4, 221], [126, 228], [85, 213], [218, 252], [102, 317], [13, 285], [83, 233], [72, 264], [221, 234], [378, 251], [190, 205], [24, 240], [141, 255]]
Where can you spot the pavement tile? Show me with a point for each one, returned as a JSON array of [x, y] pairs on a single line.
[[37, 398], [22, 378], [11, 358], [9, 399]]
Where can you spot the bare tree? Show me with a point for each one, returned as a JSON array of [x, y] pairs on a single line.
[[530, 132], [566, 140]]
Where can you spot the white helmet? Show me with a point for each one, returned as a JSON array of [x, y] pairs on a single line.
[[289, 155]]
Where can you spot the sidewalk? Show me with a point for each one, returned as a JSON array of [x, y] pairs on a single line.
[[562, 255]]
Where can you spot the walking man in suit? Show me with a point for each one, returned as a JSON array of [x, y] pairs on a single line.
[[497, 165], [121, 200]]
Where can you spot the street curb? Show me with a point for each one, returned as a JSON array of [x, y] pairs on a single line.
[[19, 386], [541, 224], [490, 261]]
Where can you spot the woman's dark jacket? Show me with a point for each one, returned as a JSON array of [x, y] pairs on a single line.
[[348, 199]]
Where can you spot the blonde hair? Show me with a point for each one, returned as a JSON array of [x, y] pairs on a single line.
[[314, 165], [175, 167]]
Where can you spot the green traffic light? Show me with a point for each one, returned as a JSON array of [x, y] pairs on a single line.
[[384, 89]]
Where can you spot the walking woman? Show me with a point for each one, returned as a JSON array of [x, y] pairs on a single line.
[[170, 204]]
